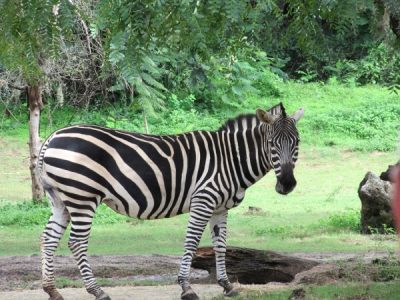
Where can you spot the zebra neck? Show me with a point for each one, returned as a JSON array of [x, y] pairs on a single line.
[[249, 153]]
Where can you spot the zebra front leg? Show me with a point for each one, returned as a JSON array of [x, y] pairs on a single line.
[[218, 223], [49, 241], [81, 223], [200, 214]]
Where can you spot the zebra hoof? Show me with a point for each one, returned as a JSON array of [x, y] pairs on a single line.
[[103, 296], [189, 295], [231, 293], [54, 294]]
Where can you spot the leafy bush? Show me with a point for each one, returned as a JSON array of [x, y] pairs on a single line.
[[27, 214], [349, 220], [381, 65], [227, 80], [356, 118], [370, 127], [24, 213]]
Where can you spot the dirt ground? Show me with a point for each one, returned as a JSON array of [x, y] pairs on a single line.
[[154, 277]]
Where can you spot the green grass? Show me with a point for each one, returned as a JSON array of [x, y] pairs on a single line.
[[341, 291], [14, 177], [355, 118], [320, 215], [348, 118], [321, 211]]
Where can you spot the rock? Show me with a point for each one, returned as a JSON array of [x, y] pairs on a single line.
[[376, 211], [251, 266], [386, 175], [321, 274]]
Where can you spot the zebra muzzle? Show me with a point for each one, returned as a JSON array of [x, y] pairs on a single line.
[[286, 181]]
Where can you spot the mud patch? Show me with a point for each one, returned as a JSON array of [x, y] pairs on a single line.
[[24, 272]]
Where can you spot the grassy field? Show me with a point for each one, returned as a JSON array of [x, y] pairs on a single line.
[[342, 132], [15, 176], [323, 210]]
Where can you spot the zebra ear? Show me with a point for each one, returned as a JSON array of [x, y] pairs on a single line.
[[298, 114], [265, 116]]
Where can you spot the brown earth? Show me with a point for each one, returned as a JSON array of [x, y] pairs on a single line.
[[154, 277]]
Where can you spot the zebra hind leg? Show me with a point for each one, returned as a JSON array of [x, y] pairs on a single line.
[[49, 241], [218, 233], [81, 223], [199, 216]]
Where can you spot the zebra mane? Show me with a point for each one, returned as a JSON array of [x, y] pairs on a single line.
[[230, 124], [278, 109]]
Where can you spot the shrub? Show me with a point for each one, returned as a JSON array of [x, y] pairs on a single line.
[[371, 127], [27, 214], [381, 65], [349, 221]]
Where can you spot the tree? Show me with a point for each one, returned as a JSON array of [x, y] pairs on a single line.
[[30, 34], [312, 36], [145, 41]]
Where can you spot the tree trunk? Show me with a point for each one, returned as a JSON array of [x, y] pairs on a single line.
[[60, 95], [146, 124], [35, 106]]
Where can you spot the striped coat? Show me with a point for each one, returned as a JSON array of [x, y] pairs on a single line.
[[204, 173]]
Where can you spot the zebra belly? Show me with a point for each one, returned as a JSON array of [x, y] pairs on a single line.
[[113, 204]]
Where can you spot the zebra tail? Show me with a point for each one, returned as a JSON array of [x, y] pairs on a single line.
[[40, 161]]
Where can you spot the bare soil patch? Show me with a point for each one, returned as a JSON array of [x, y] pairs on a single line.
[[20, 276]]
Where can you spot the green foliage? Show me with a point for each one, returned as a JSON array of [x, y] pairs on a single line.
[[373, 126], [24, 213], [360, 119], [28, 213], [384, 229], [381, 65], [290, 223], [139, 53], [145, 40], [337, 222], [31, 31], [236, 78], [313, 35], [348, 221], [354, 118]]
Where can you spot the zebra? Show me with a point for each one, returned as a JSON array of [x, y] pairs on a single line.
[[203, 173]]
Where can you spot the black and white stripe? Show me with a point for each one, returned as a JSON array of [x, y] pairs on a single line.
[[203, 173]]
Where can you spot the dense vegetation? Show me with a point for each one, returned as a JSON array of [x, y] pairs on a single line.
[[150, 58], [169, 66], [143, 54], [341, 119], [350, 117]]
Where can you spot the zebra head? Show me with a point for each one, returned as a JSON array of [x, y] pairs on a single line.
[[282, 144]]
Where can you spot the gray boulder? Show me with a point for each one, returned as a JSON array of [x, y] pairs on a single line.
[[376, 209]]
